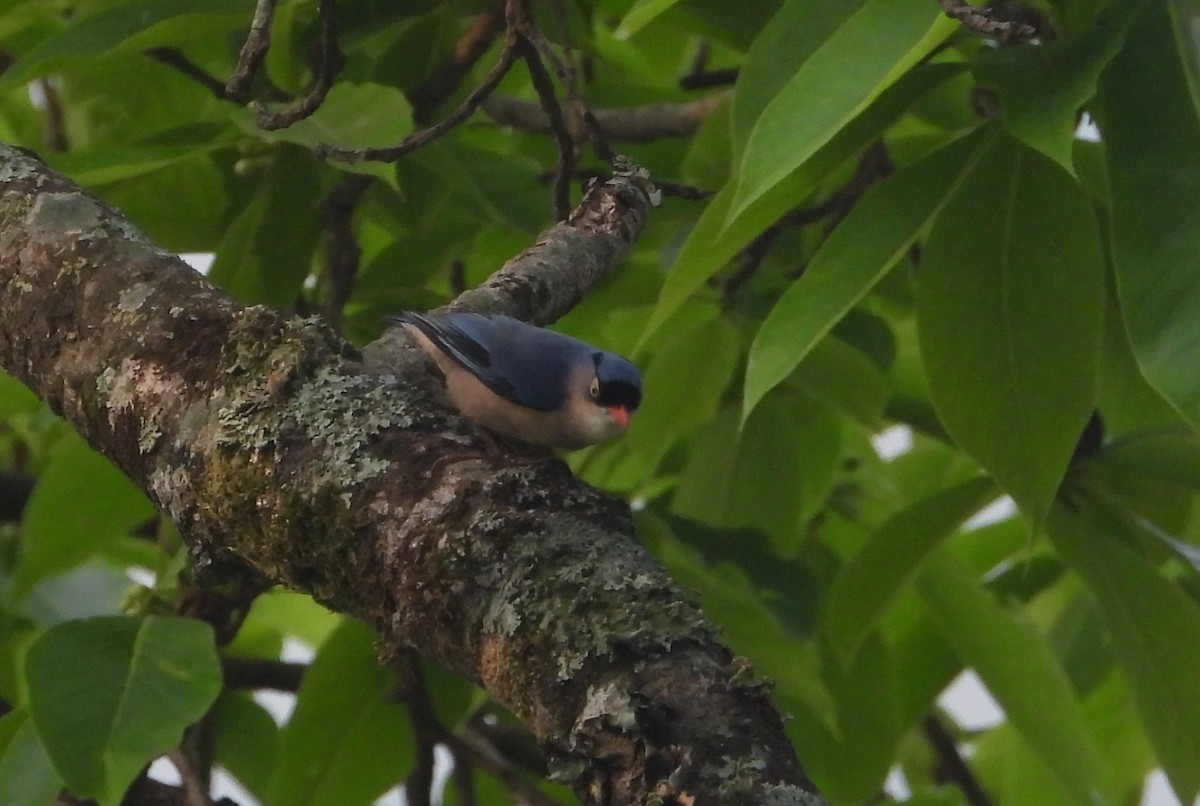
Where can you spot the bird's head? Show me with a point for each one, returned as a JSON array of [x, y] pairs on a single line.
[[616, 388]]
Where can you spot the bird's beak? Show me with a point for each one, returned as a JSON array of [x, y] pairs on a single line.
[[621, 415]]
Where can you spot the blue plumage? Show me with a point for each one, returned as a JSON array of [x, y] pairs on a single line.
[[526, 364]]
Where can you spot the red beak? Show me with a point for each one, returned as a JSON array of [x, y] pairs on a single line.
[[621, 415]]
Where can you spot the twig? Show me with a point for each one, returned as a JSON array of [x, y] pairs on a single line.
[[950, 762], [544, 86], [54, 132], [175, 59], [330, 62], [259, 673], [425, 136], [480, 755], [343, 253], [984, 20], [706, 79], [195, 790], [631, 124], [463, 777], [254, 49], [479, 34], [427, 730]]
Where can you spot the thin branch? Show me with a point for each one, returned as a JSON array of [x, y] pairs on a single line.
[[480, 755], [330, 62], [426, 728], [259, 673], [478, 36], [631, 124], [195, 789], [342, 253], [706, 79], [425, 136], [175, 59], [254, 49], [986, 21], [544, 86], [463, 778], [950, 762], [54, 130]]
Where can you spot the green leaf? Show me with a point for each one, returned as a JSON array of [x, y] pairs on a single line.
[[1155, 186], [866, 54], [1042, 89], [1154, 625], [641, 15], [245, 741], [351, 116], [80, 505], [128, 27], [267, 251], [870, 240], [852, 762], [26, 775], [684, 383], [1019, 671], [348, 741], [715, 239], [108, 695], [1010, 306], [790, 37], [734, 478], [846, 380], [886, 565], [15, 397]]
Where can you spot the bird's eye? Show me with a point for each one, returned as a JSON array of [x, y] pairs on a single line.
[[594, 389]]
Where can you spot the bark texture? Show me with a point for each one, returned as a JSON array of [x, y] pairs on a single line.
[[270, 443]]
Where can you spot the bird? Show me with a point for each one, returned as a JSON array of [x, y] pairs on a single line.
[[527, 382]]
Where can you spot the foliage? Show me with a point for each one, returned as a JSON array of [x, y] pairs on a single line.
[[906, 233]]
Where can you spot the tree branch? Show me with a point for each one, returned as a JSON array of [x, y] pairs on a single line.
[[634, 124], [270, 444]]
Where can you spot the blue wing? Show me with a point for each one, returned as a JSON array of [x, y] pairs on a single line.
[[528, 365]]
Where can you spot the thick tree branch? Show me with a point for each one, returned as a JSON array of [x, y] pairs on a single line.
[[269, 443]]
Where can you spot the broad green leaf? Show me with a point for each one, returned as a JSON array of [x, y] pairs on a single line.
[[113, 163], [26, 774], [1154, 625], [845, 380], [866, 54], [1019, 671], [1155, 185], [880, 228], [80, 505], [348, 740], [352, 116], [108, 695], [797, 30], [267, 251], [245, 741], [1184, 16], [751, 628], [1010, 305], [15, 396], [715, 239], [851, 762], [1042, 89], [733, 478], [128, 27], [641, 15], [684, 383], [886, 565]]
